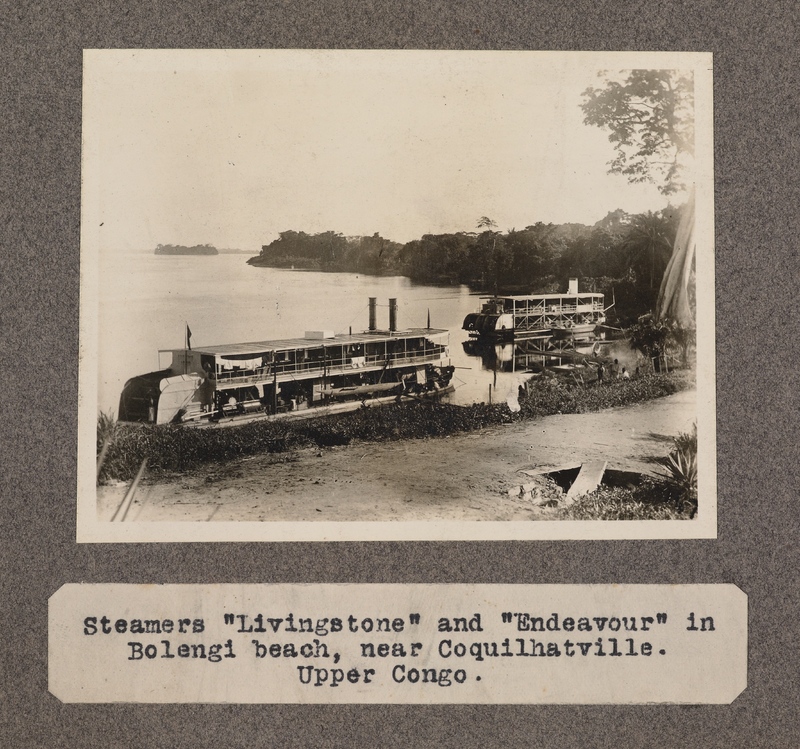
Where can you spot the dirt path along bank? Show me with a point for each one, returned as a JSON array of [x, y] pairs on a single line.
[[461, 477]]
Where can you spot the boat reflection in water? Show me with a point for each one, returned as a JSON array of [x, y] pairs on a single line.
[[531, 354]]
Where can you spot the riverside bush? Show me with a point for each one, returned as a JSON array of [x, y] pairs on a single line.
[[680, 468], [652, 500], [177, 448], [555, 395]]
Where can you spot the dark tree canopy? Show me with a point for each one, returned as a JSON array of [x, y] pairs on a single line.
[[622, 256], [648, 244], [650, 116]]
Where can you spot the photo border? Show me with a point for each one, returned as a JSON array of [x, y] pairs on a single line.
[[704, 525]]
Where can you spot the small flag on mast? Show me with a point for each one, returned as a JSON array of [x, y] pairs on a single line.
[[188, 337]]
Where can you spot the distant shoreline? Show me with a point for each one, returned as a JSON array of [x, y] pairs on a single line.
[[179, 249], [198, 249]]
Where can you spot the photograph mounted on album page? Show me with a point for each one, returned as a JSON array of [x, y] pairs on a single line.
[[396, 295]]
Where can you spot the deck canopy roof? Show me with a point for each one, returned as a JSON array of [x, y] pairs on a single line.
[[295, 344], [546, 297]]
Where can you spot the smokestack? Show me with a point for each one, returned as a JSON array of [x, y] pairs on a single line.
[[372, 319], [392, 315]]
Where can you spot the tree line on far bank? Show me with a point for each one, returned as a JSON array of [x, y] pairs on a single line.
[[623, 256]]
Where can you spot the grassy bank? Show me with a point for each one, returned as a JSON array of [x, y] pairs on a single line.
[[180, 448], [652, 500]]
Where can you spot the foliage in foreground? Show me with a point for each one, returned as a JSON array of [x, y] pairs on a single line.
[[680, 468], [181, 448], [106, 430], [672, 497], [651, 500]]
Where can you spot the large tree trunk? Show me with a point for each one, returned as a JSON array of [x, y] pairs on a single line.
[[673, 297]]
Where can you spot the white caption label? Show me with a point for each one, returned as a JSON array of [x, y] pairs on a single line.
[[352, 643]]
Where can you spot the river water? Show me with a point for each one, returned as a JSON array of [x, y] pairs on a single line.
[[146, 301]]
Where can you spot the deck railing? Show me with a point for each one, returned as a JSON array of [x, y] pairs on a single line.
[[330, 366], [557, 309]]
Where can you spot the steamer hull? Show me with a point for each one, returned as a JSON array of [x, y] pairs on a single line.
[[272, 378], [584, 332]]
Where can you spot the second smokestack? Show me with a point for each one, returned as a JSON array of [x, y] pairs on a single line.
[[392, 315]]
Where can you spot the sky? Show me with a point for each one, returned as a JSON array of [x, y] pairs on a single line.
[[232, 147]]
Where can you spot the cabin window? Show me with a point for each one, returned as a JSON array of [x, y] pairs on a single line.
[[337, 355]]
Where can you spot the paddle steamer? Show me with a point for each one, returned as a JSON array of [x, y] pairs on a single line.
[[291, 376], [574, 315]]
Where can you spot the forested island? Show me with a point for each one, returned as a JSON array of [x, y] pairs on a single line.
[[623, 256], [179, 249]]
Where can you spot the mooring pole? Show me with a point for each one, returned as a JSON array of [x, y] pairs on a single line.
[[128, 498]]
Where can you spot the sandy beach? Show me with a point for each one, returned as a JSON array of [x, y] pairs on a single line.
[[462, 477]]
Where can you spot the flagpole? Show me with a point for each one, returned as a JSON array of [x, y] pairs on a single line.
[[187, 347]]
